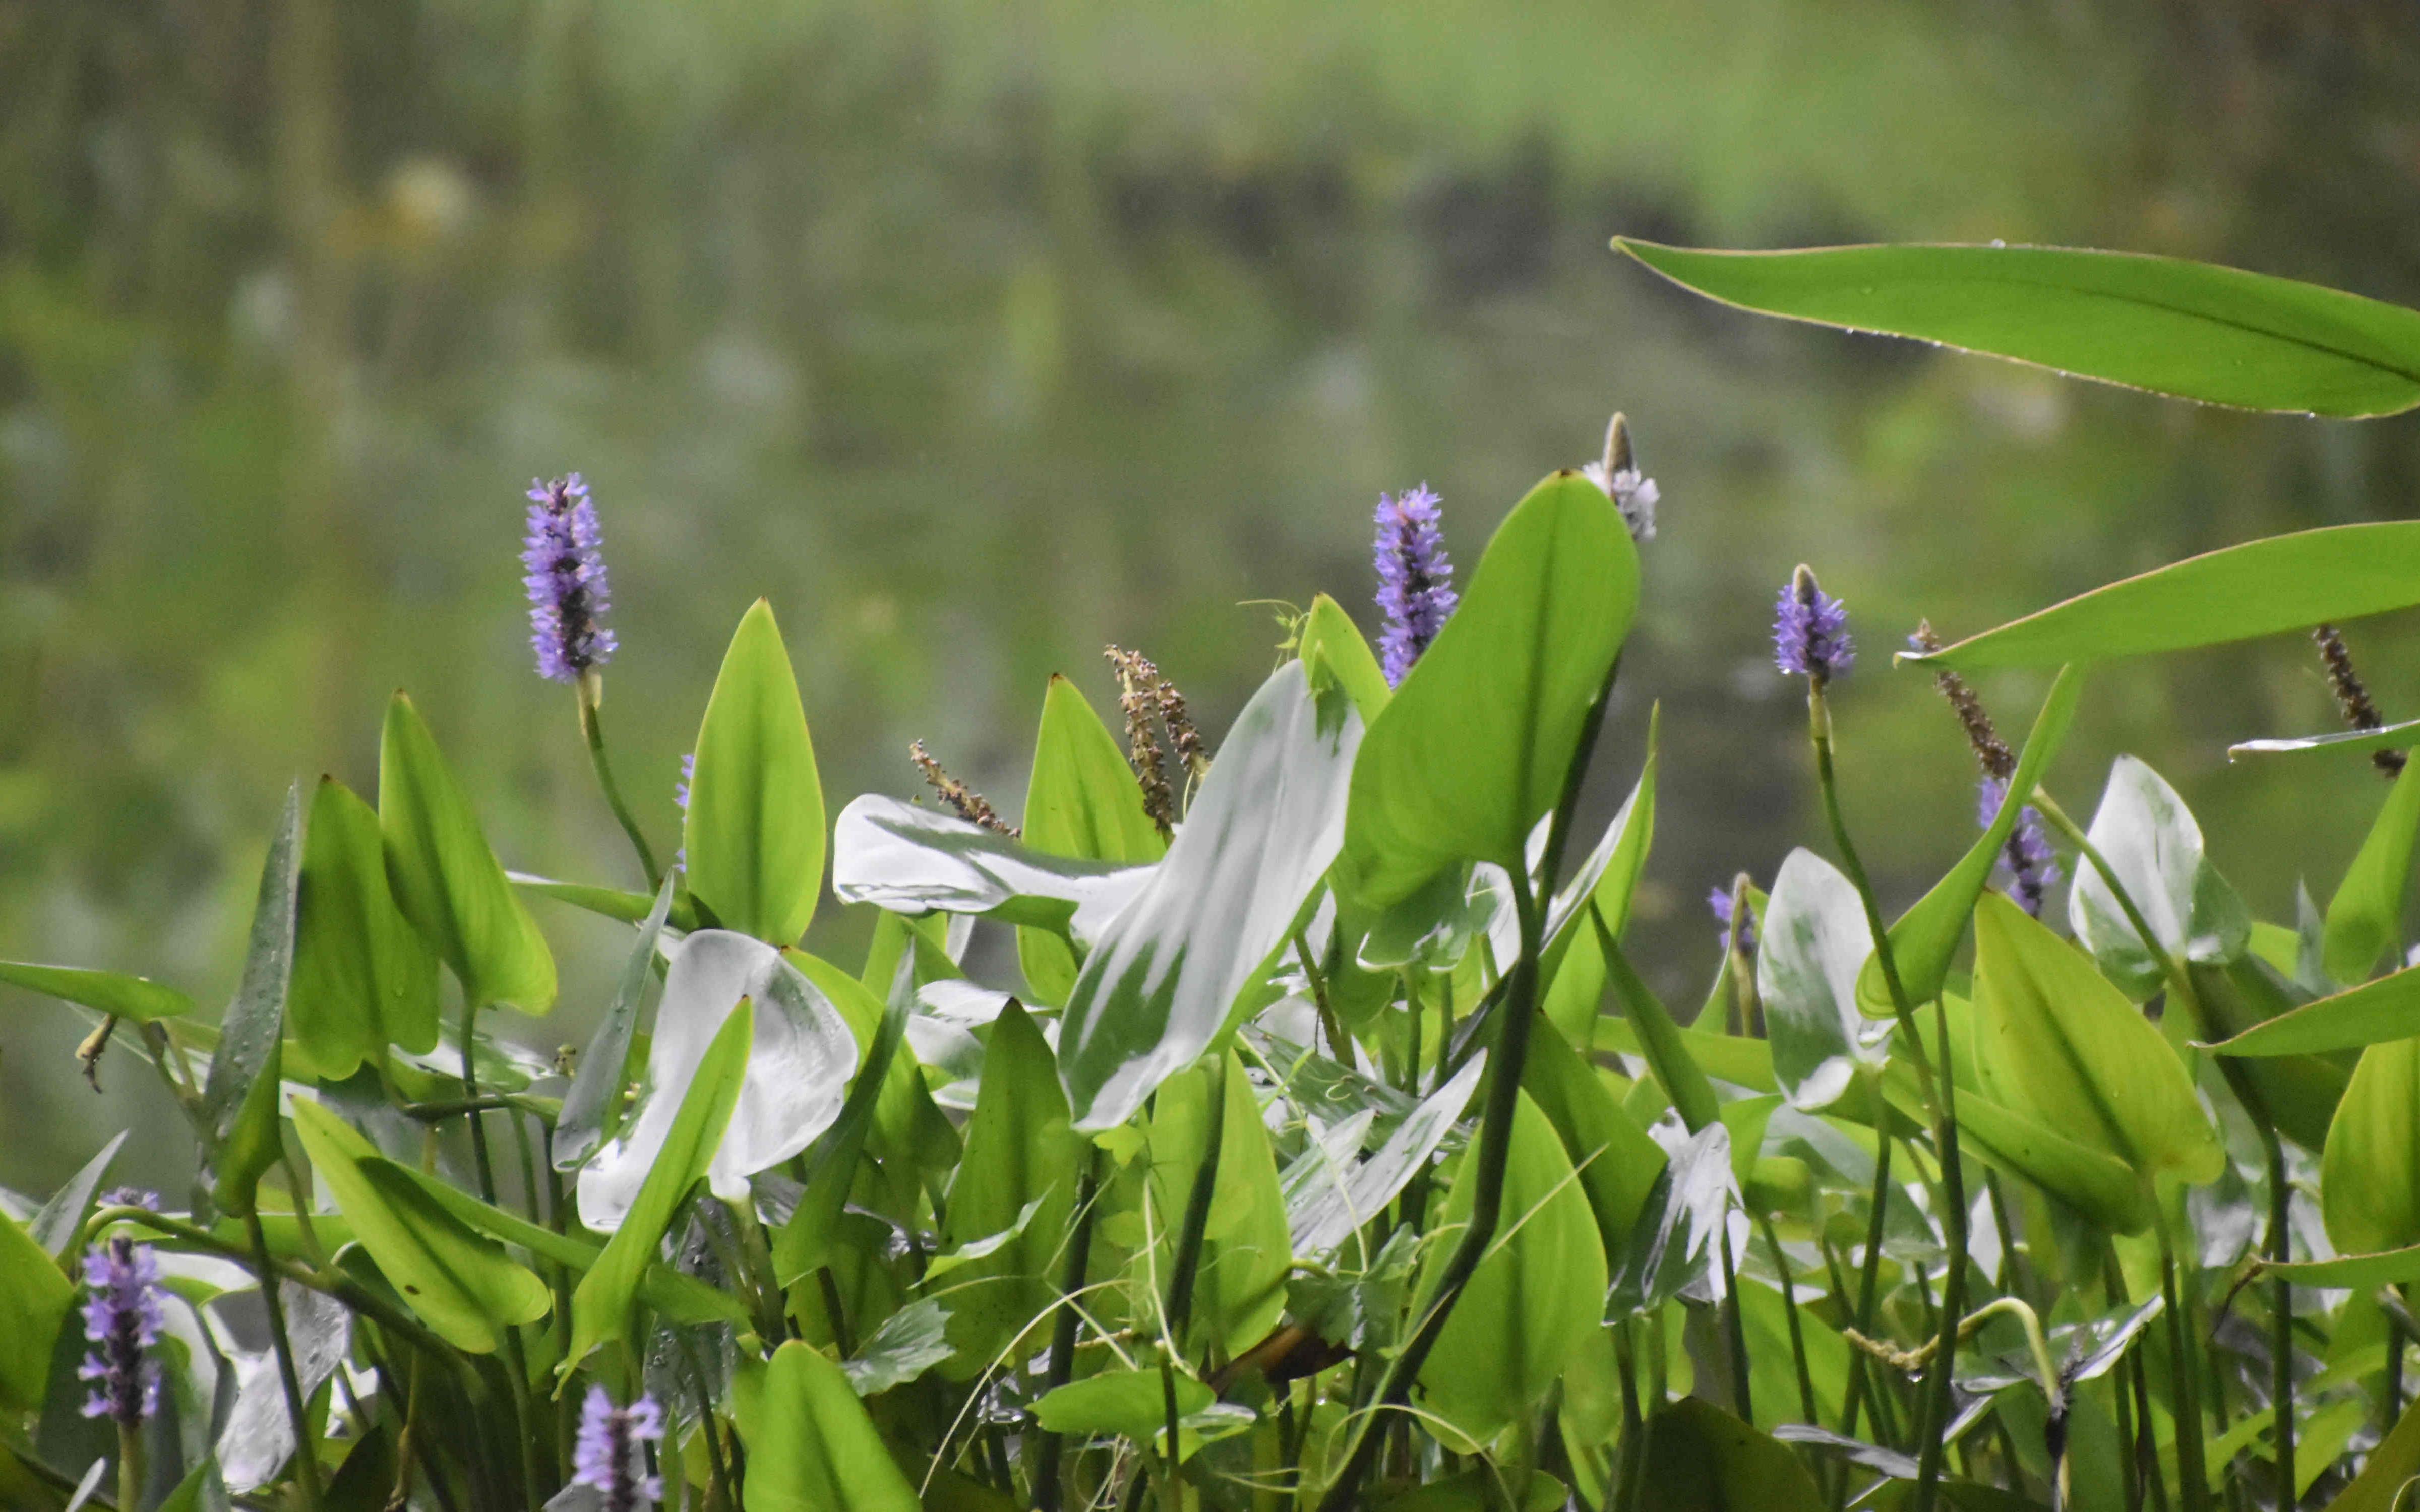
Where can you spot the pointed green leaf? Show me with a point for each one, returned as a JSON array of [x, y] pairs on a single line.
[[2369, 1170], [1081, 802], [2384, 1483], [1475, 744], [1573, 967], [444, 878], [2099, 1185], [1700, 1459], [600, 1308], [2299, 1093], [239, 1095], [804, 1240], [1332, 648], [2402, 736], [1811, 946], [1328, 1200], [1618, 1162], [61, 1219], [362, 976], [35, 1295], [139, 998], [756, 826], [613, 902], [2191, 329], [1667, 1056], [592, 1108], [2365, 916], [910, 859], [1239, 1291], [1131, 1404], [810, 1447]]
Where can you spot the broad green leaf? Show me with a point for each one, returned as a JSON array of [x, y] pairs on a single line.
[[2055, 1043], [239, 1094], [1811, 946], [1328, 1200], [794, 1079], [756, 825], [61, 1219], [600, 1308], [1477, 743], [2353, 1273], [35, 1295], [2190, 330], [463, 1286], [2099, 1185], [1573, 965], [1484, 1488], [1018, 1149], [1734, 1058], [446, 879], [1081, 802], [2373, 1012], [362, 976], [2299, 1093], [1262, 831], [1132, 1404], [1332, 648], [2401, 736], [1700, 1459], [832, 1165], [2369, 1170], [139, 998], [810, 1447], [913, 860], [2284, 582], [1540, 1289], [2150, 841], [909, 1342], [592, 1109], [1239, 1283], [1618, 1162], [2365, 916], [1925, 939], [2385, 1479]]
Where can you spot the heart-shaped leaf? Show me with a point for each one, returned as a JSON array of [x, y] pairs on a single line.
[[2150, 839]]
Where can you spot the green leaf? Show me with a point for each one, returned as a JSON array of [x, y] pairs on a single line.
[[1260, 834], [1925, 938], [1130, 1404], [2401, 736], [592, 1108], [463, 1286], [2369, 1169], [2385, 1482], [2099, 1185], [35, 1295], [756, 826], [446, 879], [2375, 1011], [1081, 802], [909, 1342], [2190, 330], [139, 998], [831, 1167], [2145, 832], [600, 1308], [2284, 582], [1540, 1289], [1700, 1459], [1477, 743], [1018, 1149], [1618, 1162], [2299, 1093], [1667, 1053], [1811, 945], [2353, 1273], [1328, 1199], [2055, 1043], [239, 1095], [363, 978], [1332, 649], [1734, 1058], [914, 860], [1573, 966], [61, 1219], [2365, 916], [612, 902], [1239, 1289], [810, 1447]]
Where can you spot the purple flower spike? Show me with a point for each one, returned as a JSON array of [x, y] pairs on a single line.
[[607, 1455], [565, 579], [122, 1319], [1719, 902], [2027, 860], [1415, 579], [1810, 631]]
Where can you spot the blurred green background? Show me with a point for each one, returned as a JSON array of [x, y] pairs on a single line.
[[974, 335]]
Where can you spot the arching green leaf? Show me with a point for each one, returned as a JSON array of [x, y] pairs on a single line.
[[1573, 967], [2365, 916], [2375, 1011], [2369, 1170], [1332, 647], [139, 998], [363, 977], [239, 1095], [756, 825], [1618, 1162], [1239, 1289]]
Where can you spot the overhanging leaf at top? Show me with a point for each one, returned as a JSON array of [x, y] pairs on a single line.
[[2188, 330]]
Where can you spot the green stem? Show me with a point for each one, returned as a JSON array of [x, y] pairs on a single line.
[[1196, 1220], [1046, 1488], [2281, 1321], [1797, 1335], [1736, 1332], [470, 1095], [1861, 1380], [130, 1465], [306, 1462], [592, 728], [1171, 1491], [2184, 1385]]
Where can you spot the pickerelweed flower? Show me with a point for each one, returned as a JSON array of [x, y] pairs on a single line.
[[1720, 900], [565, 579], [2027, 860], [122, 1319], [607, 1455], [1632, 492], [1415, 579], [1811, 630]]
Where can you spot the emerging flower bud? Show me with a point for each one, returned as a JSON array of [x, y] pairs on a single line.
[[1632, 492]]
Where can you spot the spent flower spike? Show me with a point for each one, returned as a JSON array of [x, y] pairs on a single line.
[[1415, 579], [1617, 477], [607, 1456], [122, 1319], [565, 561], [1811, 630]]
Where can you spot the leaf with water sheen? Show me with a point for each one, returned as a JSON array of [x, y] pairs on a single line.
[[1477, 743], [2149, 839], [1334, 1197], [2190, 330], [1812, 944], [811, 1447], [363, 978], [1261, 834], [755, 829], [2365, 916]]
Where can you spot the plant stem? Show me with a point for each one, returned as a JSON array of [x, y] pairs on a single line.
[[1797, 1335], [2184, 1386], [1046, 1488], [1187, 1262], [306, 1462], [130, 1465], [1868, 1281], [1736, 1332], [592, 728], [2281, 1319], [470, 1095]]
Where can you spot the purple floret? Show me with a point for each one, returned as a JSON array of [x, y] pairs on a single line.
[[2027, 860], [568, 594], [1810, 631], [122, 1319], [607, 1455], [1415, 579], [1720, 900]]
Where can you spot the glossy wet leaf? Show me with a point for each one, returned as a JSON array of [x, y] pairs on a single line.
[[461, 1283], [2152, 841], [2191, 330], [139, 998], [914, 860], [363, 978], [600, 1308], [1925, 939], [1478, 741], [755, 829], [1081, 802], [2055, 1043], [2370, 1171], [1700, 1459], [1810, 947], [794, 1079], [2365, 916], [592, 1108], [446, 879], [1239, 1282], [1331, 1201], [1131, 1404], [810, 1447], [2375, 1011], [35, 1296], [1618, 1162], [239, 1095], [56, 1225], [909, 1342], [1540, 1289], [1333, 648], [1260, 833]]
